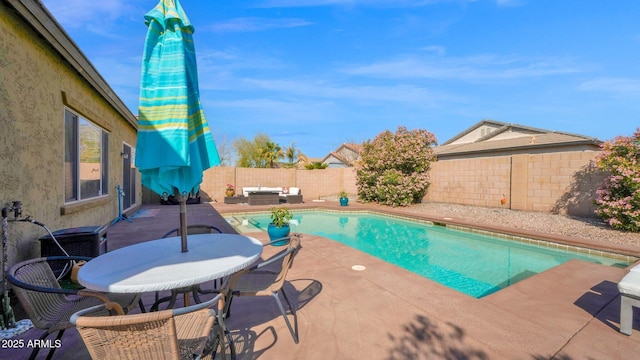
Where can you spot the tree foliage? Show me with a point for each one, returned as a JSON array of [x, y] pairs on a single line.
[[316, 165], [224, 147], [293, 155], [394, 168], [271, 153], [619, 198], [250, 153], [262, 152]]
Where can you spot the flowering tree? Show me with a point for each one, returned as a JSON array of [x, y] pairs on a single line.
[[619, 198], [394, 168]]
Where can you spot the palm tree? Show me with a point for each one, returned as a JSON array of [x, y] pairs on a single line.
[[290, 152], [271, 153], [294, 154]]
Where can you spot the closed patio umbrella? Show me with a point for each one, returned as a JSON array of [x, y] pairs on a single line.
[[174, 144]]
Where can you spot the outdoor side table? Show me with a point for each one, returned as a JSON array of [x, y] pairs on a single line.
[[238, 199]]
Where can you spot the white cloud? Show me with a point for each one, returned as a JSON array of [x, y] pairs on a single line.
[[619, 86], [506, 3], [353, 3], [436, 49], [80, 13], [252, 24], [402, 93], [219, 69], [471, 68]]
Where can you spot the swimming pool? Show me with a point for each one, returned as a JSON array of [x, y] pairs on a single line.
[[473, 263]]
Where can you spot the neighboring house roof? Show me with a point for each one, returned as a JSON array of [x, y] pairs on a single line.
[[45, 24], [356, 148], [346, 154], [519, 138], [498, 130], [334, 157]]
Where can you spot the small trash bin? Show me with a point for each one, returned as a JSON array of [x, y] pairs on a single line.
[[89, 241]]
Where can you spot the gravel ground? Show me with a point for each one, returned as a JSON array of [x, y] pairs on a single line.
[[582, 228]]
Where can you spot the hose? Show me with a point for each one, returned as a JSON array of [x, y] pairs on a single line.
[[67, 267]]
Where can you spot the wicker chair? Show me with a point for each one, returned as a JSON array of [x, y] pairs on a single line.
[[194, 290], [181, 333], [48, 305], [266, 278]]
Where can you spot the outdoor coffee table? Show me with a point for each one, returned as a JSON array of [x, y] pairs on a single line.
[[262, 197], [158, 265]]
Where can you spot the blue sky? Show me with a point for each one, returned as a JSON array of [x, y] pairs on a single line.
[[319, 73]]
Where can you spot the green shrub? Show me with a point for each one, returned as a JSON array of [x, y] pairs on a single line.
[[394, 168], [618, 199], [280, 216]]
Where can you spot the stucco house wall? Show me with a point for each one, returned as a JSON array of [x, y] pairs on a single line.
[[37, 83]]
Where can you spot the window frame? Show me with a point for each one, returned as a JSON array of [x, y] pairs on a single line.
[[76, 188]]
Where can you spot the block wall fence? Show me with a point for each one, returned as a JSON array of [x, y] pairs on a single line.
[[314, 184], [562, 182]]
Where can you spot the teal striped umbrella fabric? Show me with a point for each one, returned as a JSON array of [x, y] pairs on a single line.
[[174, 144]]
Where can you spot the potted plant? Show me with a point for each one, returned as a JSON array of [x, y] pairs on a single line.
[[229, 191], [279, 226], [344, 198]]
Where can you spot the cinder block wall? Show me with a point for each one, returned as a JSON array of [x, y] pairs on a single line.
[[314, 184], [563, 182], [477, 181]]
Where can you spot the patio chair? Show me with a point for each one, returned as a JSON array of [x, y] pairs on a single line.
[[194, 290], [182, 333], [266, 278], [48, 305]]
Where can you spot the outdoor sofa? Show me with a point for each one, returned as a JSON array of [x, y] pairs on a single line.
[[289, 195]]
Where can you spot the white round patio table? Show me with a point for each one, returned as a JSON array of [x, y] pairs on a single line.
[[161, 265]]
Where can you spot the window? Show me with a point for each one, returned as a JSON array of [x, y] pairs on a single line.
[[86, 155]]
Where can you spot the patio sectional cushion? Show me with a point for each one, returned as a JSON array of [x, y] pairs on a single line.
[[246, 190], [293, 191], [280, 190], [630, 283]]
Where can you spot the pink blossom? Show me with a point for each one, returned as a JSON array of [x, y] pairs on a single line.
[[618, 199]]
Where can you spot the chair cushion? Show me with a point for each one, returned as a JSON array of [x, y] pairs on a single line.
[[630, 283]]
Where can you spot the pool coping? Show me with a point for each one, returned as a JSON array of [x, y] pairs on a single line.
[[624, 253]]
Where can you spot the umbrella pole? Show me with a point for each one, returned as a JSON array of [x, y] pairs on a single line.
[[183, 222]]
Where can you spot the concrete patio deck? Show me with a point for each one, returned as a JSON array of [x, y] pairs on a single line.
[[384, 312]]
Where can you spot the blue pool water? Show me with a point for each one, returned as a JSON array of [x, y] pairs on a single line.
[[472, 263]]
